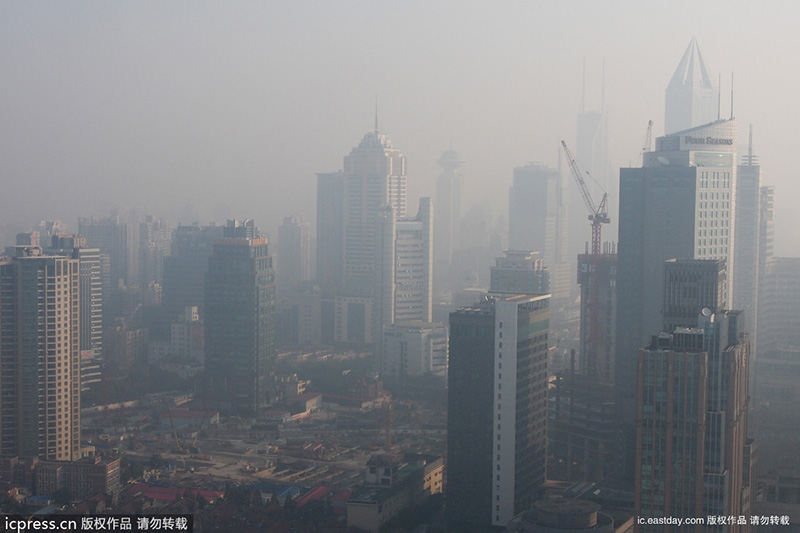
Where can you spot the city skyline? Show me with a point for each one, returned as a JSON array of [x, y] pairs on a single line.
[[199, 129]]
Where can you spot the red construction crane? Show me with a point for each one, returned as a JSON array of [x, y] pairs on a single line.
[[597, 214]]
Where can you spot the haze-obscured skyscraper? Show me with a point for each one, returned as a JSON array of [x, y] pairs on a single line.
[[766, 253], [330, 232], [185, 268], [748, 201], [375, 176], [691, 97], [118, 239], [294, 261], [497, 405], [404, 270], [680, 204], [155, 241], [448, 215], [537, 220], [239, 322], [519, 272], [40, 356]]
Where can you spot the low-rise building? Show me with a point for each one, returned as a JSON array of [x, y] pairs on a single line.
[[393, 484], [83, 478]]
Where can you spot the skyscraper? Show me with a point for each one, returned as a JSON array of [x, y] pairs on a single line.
[[520, 273], [404, 269], [692, 423], [185, 268], [330, 232], [748, 201], [294, 262], [497, 403], [680, 204], [91, 307], [598, 333], [374, 176], [155, 240], [691, 98], [689, 286], [118, 239], [239, 322], [537, 220], [40, 356], [448, 215]]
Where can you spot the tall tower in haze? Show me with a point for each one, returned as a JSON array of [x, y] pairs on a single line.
[[294, 263], [537, 221], [375, 176], [691, 98], [355, 203], [679, 205], [240, 322], [448, 215]]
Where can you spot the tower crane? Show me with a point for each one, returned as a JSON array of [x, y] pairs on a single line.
[[648, 136], [598, 214]]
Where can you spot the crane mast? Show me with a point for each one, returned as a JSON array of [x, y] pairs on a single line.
[[598, 215]]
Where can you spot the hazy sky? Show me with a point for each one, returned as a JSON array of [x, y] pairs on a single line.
[[163, 104]]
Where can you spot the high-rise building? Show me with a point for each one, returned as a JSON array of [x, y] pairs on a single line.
[[239, 322], [294, 261], [91, 307], [40, 356], [404, 270], [692, 423], [330, 232], [597, 352], [537, 220], [448, 215], [186, 267], [155, 240], [689, 286], [519, 272], [766, 253], [414, 349], [748, 201], [374, 176], [680, 204], [497, 409], [691, 98], [118, 239]]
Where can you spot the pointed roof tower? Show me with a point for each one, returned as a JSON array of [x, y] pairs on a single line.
[[691, 98]]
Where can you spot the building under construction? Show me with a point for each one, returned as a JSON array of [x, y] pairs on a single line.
[[581, 428]]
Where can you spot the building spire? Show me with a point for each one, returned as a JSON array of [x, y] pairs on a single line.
[[376, 113], [603, 89], [583, 89], [731, 94]]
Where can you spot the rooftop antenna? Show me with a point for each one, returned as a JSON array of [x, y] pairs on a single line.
[[603, 89], [376, 113], [731, 94], [583, 93], [719, 98], [750, 147]]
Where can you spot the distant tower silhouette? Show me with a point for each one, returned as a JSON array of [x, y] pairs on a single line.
[[691, 98], [448, 215]]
